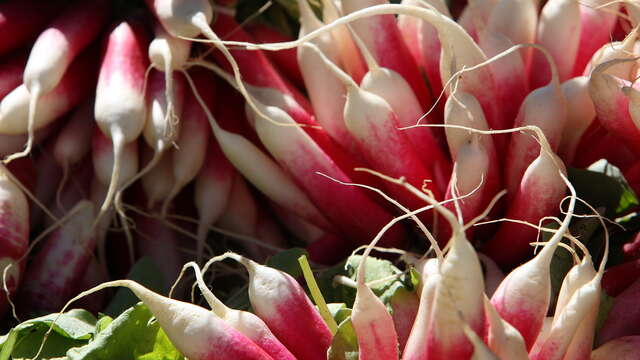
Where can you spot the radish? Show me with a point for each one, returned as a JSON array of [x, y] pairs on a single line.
[[559, 31], [404, 305], [597, 21], [161, 244], [350, 57], [538, 195], [67, 253], [168, 54], [120, 105], [545, 108], [373, 124], [623, 348], [615, 50], [502, 338], [72, 89], [522, 299], [493, 275], [156, 182], [73, 142], [11, 69], [241, 212], [422, 40], [245, 322], [392, 87], [382, 36], [281, 140], [476, 14], [516, 20], [69, 34], [580, 114], [212, 190], [282, 304], [326, 92], [617, 278], [456, 293], [196, 332], [615, 101], [258, 168], [20, 21], [573, 327], [15, 235]]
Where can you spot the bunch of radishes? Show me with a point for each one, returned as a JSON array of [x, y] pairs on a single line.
[[376, 113]]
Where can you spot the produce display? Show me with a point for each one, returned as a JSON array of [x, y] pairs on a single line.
[[319, 179]]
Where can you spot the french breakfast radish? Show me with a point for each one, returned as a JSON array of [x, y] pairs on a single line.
[[245, 322], [14, 232], [60, 263], [11, 69], [622, 348], [195, 331], [157, 181], [120, 102], [69, 35], [282, 304], [580, 114], [382, 37], [522, 299], [502, 338]]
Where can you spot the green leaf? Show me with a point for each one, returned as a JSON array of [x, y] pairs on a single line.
[[71, 329], [145, 272], [163, 349], [345, 343], [378, 269], [129, 336]]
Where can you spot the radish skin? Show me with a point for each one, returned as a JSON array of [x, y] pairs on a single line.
[[196, 332], [580, 114], [14, 232], [623, 348], [21, 21], [120, 105], [11, 69], [282, 304]]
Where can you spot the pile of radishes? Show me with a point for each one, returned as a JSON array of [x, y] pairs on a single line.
[[133, 129]]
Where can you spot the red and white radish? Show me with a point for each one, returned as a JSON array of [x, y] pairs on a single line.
[[120, 103]]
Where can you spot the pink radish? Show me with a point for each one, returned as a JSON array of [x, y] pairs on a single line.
[[423, 42], [493, 275], [93, 276], [615, 50], [257, 167], [373, 124], [573, 326], [52, 277], [615, 101], [69, 35], [241, 212], [281, 140], [522, 299], [476, 14], [196, 332], [350, 57], [502, 338], [580, 114], [382, 36], [623, 348], [517, 20], [245, 322], [538, 195], [327, 93], [20, 21], [597, 18], [73, 142], [158, 181], [282, 304], [191, 147], [14, 232], [559, 31], [285, 60], [168, 54], [456, 293], [212, 189], [395, 90], [11, 69], [617, 278], [120, 106], [545, 108], [72, 89]]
